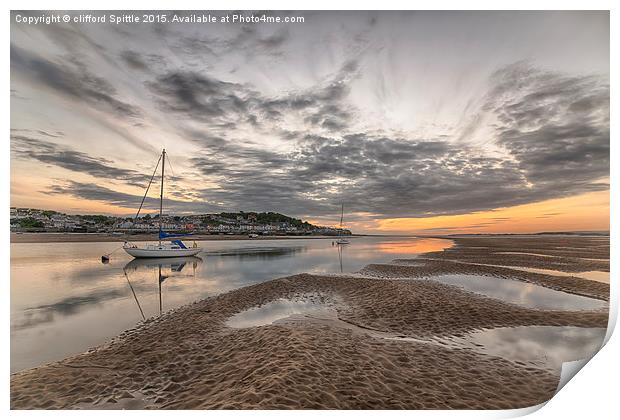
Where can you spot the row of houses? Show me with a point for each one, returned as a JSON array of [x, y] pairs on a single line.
[[264, 229], [23, 219], [28, 220]]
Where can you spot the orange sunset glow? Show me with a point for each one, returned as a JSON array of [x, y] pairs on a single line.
[[585, 212]]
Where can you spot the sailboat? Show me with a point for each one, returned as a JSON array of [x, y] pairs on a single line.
[[342, 241], [173, 248]]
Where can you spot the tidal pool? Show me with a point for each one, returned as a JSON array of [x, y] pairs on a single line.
[[546, 346], [277, 310], [537, 346], [599, 276], [520, 292]]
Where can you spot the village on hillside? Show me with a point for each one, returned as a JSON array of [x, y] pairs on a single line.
[[266, 223]]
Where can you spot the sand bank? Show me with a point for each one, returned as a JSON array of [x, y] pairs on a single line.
[[191, 359], [564, 253]]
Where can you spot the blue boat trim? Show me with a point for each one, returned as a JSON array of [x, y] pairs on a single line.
[[179, 243]]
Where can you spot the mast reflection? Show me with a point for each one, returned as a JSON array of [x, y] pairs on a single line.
[[166, 268]]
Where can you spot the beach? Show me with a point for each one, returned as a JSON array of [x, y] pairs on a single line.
[[390, 336]]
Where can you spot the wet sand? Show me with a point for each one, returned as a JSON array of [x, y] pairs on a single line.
[[191, 358], [564, 253], [569, 284]]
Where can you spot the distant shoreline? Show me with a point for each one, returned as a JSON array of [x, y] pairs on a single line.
[[29, 238]]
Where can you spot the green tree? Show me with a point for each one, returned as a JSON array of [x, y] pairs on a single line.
[[30, 222]]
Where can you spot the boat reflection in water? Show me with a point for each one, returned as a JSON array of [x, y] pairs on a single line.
[[166, 268], [339, 246]]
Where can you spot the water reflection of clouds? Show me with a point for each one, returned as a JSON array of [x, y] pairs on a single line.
[[68, 306], [543, 345], [257, 252], [87, 298], [83, 273], [275, 310], [521, 293], [598, 276]]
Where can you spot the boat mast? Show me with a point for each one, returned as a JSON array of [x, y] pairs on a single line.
[[160, 280], [341, 215], [161, 194]]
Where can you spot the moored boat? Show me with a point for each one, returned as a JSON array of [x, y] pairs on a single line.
[[341, 240], [173, 248]]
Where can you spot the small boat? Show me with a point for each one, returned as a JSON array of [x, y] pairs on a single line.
[[342, 241], [171, 249]]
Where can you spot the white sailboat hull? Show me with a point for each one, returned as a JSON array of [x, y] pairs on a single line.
[[162, 252]]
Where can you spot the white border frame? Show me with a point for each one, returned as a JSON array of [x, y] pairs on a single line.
[[592, 394]]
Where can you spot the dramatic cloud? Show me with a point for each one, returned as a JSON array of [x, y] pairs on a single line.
[[377, 175], [556, 126], [227, 105], [560, 151], [25, 147], [247, 41], [395, 115], [201, 97], [70, 78], [94, 192], [555, 154]]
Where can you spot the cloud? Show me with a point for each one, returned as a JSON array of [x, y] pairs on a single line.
[[94, 192], [248, 41], [556, 126], [553, 128], [133, 60], [379, 175], [26, 147], [322, 105], [71, 78], [555, 146], [55, 134], [201, 97]]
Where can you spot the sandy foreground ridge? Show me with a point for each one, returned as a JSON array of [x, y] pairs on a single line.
[[381, 347]]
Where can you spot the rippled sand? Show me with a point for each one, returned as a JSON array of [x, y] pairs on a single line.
[[191, 358]]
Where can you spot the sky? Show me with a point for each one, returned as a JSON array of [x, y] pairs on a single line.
[[418, 122]]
